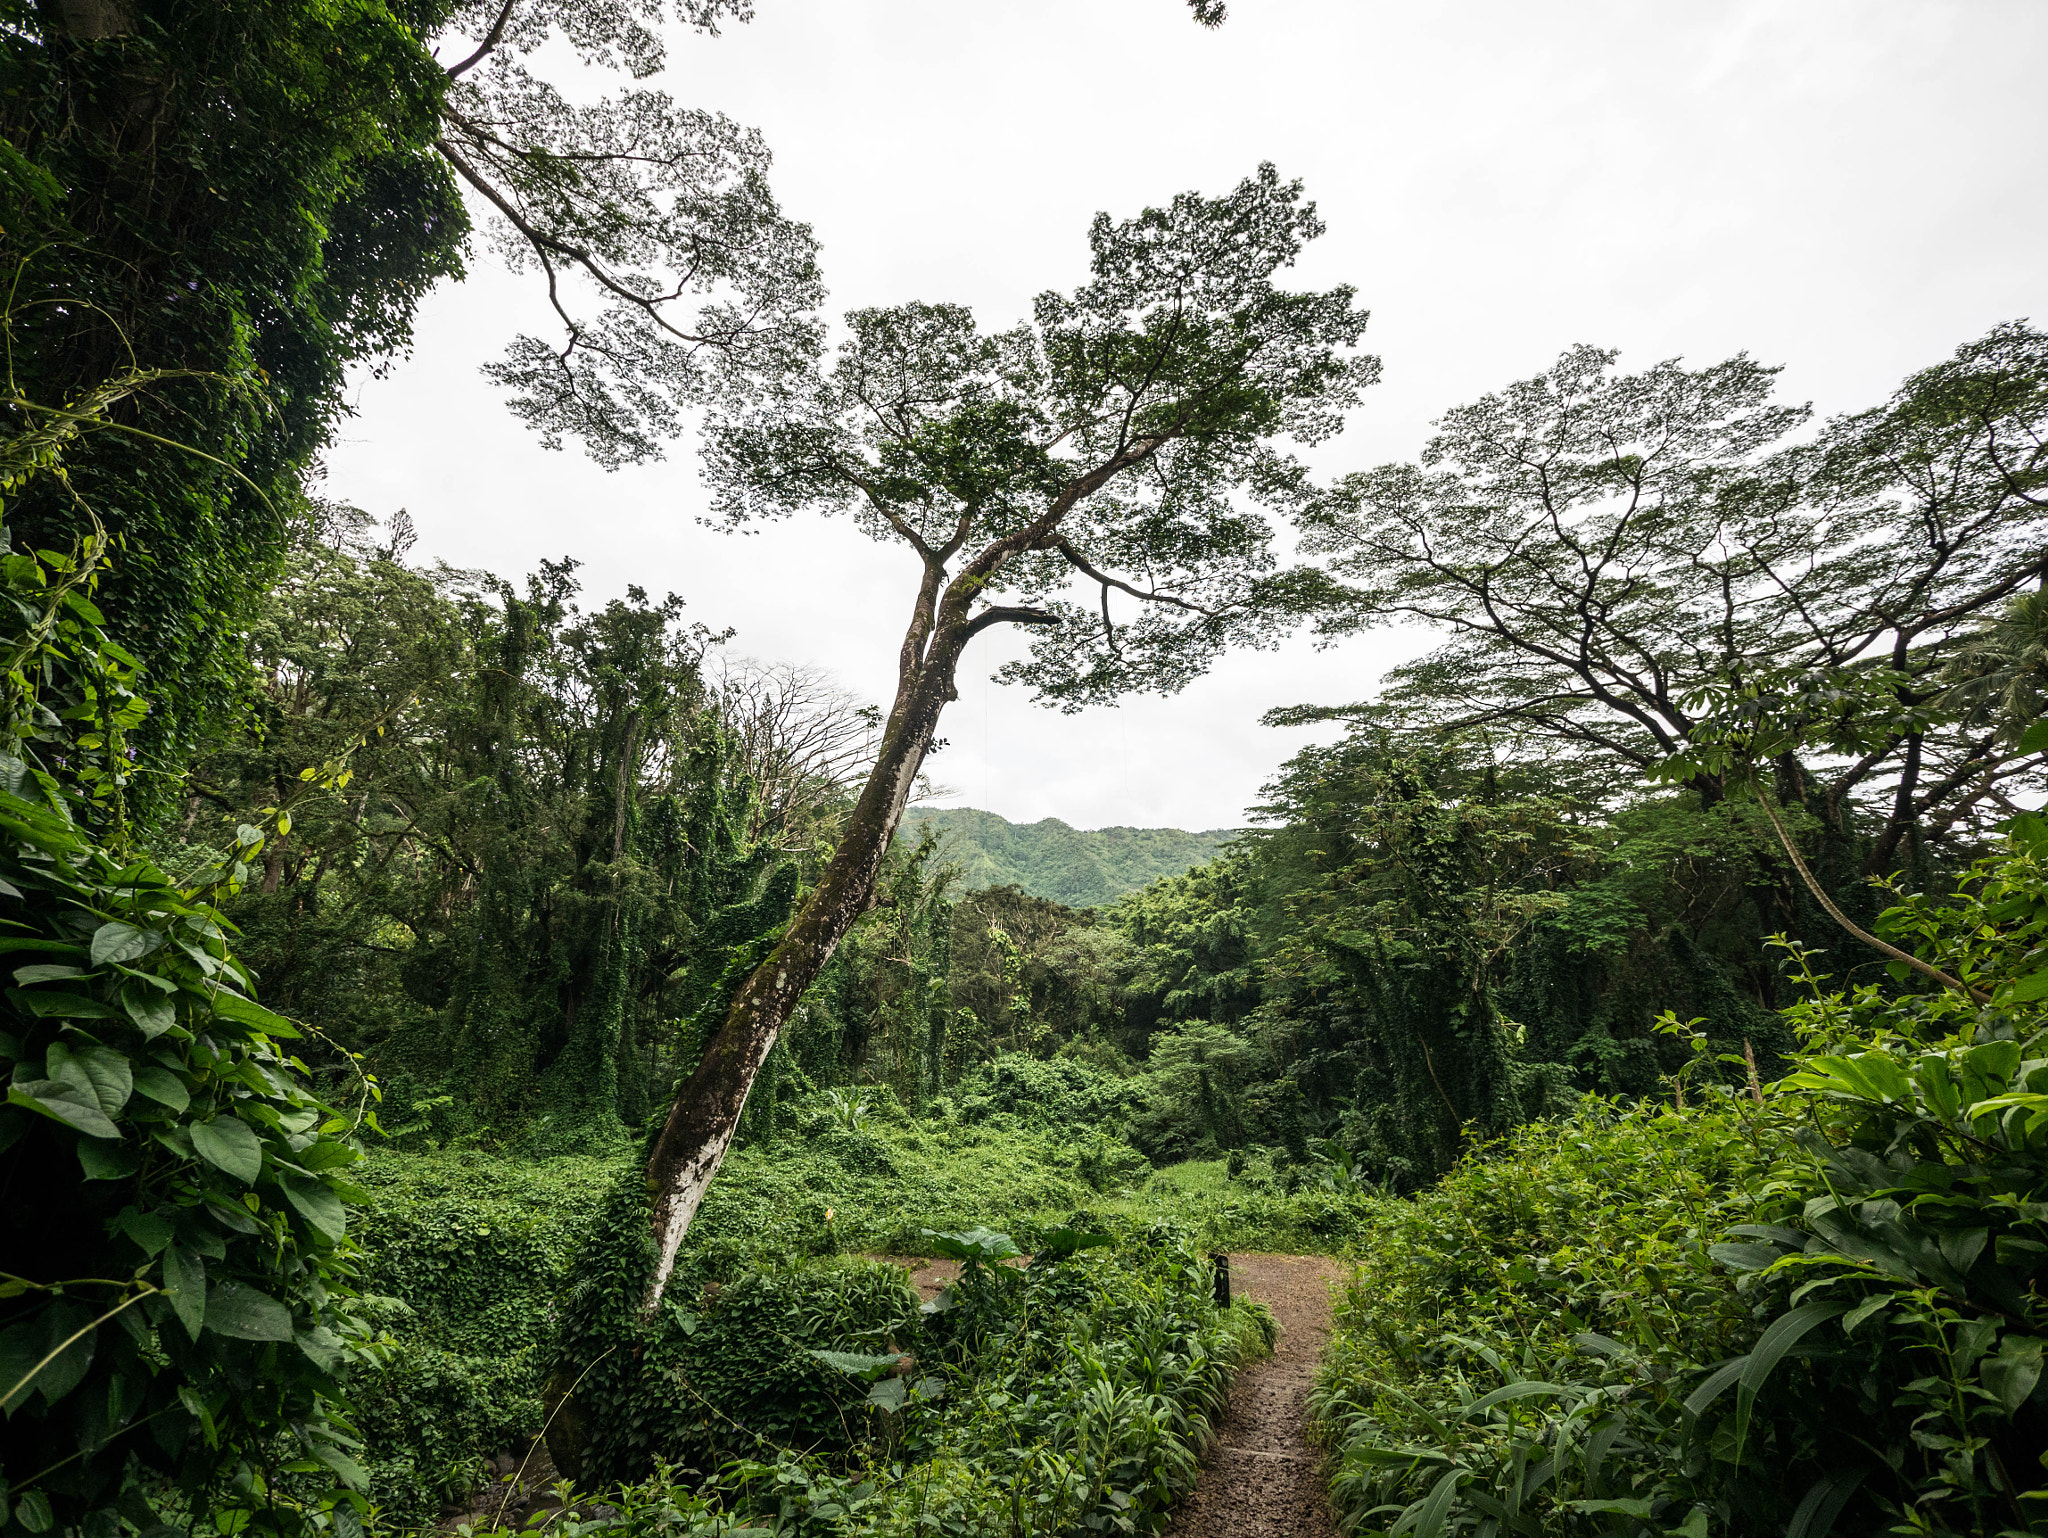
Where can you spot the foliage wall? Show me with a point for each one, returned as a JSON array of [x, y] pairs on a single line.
[[1804, 1308], [234, 204]]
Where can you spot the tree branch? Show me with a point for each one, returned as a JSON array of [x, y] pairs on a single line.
[[1763, 800], [490, 41], [1013, 615], [1075, 560]]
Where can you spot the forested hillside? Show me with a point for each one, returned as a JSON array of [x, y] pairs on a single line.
[[488, 1056], [1082, 868]]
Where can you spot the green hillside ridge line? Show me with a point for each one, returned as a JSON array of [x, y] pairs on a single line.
[[1081, 867]]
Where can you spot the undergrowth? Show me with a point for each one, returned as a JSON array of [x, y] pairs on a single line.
[[1806, 1308], [1072, 1395], [468, 1253]]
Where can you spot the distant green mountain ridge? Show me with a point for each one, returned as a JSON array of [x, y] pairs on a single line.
[[1080, 867]]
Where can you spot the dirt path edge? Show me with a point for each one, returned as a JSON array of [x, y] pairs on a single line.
[[1263, 1479]]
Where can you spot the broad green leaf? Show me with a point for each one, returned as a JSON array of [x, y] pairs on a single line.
[[982, 1244], [47, 971], [185, 1282], [1434, 1509], [64, 1103], [322, 1347], [232, 1006], [1745, 1257], [162, 1086], [2012, 1373], [327, 1154], [1997, 1061], [346, 1469], [887, 1394], [117, 941], [229, 1145], [318, 1206], [107, 1159], [1783, 1333], [152, 1013], [246, 1314], [858, 1364], [101, 1071], [1938, 1085], [1961, 1247], [1716, 1381], [1513, 1391], [151, 1231], [1062, 1242]]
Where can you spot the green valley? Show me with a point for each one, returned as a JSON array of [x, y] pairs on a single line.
[[1079, 868]]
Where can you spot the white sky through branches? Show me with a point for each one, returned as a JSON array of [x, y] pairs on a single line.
[[1844, 188]]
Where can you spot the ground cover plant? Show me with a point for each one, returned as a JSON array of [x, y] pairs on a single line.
[[1074, 1393], [1804, 1307], [467, 1252]]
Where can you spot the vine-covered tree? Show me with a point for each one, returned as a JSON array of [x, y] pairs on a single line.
[[208, 214], [548, 852], [236, 203], [1109, 441]]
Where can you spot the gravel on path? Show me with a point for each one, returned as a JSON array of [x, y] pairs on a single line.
[[1264, 1480]]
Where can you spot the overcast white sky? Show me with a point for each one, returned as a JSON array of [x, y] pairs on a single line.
[[1850, 189]]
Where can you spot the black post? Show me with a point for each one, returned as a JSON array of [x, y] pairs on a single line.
[[1222, 1265]]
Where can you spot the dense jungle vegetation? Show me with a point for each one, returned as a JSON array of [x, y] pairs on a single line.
[[1643, 990]]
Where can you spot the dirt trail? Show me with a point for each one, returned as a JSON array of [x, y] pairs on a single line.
[[1264, 1481]]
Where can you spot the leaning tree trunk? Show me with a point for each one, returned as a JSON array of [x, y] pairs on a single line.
[[706, 1111]]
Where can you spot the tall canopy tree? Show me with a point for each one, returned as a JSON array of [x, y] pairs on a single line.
[[1106, 442], [236, 203], [1601, 549]]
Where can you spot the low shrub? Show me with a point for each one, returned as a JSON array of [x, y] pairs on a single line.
[[429, 1417], [1060, 1092], [471, 1253], [1814, 1307], [464, 1254], [1088, 1414], [175, 1313], [1079, 1400]]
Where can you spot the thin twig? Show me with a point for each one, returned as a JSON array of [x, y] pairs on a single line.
[[64, 1345]]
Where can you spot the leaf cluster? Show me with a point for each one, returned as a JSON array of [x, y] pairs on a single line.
[[174, 1339]]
